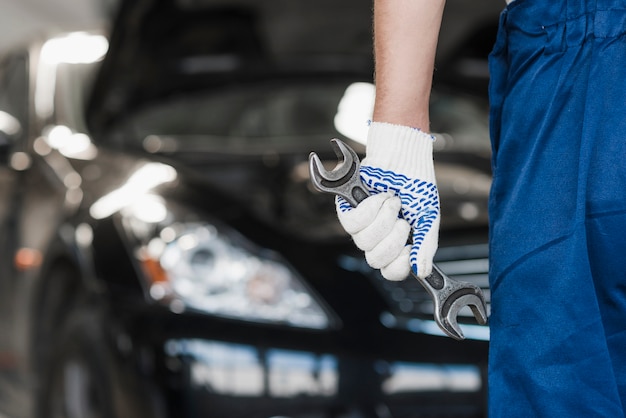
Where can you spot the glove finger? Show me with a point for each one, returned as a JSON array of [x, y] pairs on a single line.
[[423, 253], [356, 219], [381, 226], [399, 268], [390, 246]]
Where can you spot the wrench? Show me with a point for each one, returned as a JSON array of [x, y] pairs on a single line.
[[449, 296]]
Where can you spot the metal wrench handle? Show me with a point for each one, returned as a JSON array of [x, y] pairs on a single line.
[[449, 296]]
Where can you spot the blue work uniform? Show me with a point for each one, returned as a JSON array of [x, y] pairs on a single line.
[[558, 210]]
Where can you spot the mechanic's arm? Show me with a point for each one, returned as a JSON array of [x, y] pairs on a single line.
[[398, 167], [405, 40]]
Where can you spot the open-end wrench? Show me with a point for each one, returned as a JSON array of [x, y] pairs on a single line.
[[449, 296]]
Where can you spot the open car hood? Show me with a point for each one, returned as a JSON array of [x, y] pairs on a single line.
[[223, 86], [158, 47]]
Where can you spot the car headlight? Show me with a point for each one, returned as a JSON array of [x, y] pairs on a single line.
[[215, 270]]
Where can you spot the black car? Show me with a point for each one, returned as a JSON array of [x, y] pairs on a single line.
[[162, 251]]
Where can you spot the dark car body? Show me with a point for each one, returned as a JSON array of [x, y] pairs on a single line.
[[162, 251]]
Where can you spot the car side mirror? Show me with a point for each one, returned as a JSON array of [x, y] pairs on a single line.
[[10, 129]]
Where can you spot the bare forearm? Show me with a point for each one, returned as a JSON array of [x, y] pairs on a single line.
[[405, 41]]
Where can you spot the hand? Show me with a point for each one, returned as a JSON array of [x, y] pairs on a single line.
[[398, 170]]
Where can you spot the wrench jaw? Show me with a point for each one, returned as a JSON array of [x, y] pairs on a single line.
[[317, 172], [449, 298], [449, 324], [343, 180], [346, 156]]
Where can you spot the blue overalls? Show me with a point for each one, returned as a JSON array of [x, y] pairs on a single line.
[[558, 210]]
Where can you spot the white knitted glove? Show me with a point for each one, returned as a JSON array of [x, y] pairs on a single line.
[[398, 170]]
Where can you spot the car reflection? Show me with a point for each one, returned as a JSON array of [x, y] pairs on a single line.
[[73, 48], [243, 370], [134, 192]]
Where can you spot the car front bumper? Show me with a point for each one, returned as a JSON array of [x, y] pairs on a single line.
[[210, 368]]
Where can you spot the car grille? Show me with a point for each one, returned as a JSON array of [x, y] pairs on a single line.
[[408, 300]]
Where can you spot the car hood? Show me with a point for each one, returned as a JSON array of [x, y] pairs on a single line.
[[160, 46]]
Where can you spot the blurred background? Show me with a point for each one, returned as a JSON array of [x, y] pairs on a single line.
[[20, 19], [162, 251]]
